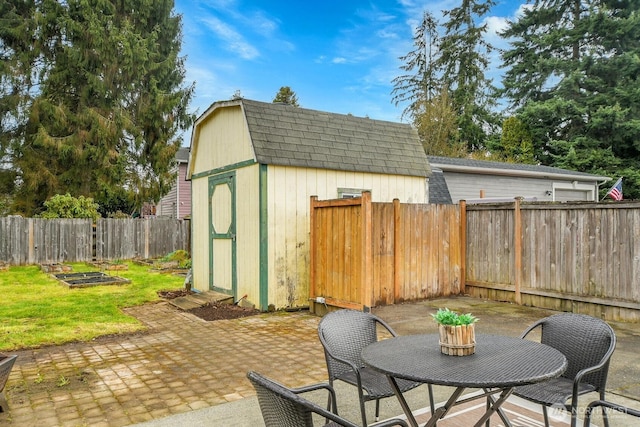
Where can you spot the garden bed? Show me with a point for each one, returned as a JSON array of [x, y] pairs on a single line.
[[92, 278], [109, 265]]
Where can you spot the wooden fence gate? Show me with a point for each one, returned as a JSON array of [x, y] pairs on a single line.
[[365, 254]]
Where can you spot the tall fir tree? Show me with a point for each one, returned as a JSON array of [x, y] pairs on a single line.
[[104, 103], [428, 104], [421, 81], [572, 73], [286, 96], [463, 61]]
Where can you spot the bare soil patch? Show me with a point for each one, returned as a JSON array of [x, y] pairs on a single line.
[[219, 311]]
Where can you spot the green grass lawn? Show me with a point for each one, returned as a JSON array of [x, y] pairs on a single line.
[[37, 310]]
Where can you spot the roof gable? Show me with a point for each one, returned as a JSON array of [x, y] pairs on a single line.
[[292, 136]]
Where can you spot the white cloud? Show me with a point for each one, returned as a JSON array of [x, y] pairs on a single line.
[[339, 60], [235, 42]]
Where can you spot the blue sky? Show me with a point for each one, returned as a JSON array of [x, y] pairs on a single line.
[[337, 55]]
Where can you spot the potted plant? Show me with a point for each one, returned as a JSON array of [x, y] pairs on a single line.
[[457, 332]]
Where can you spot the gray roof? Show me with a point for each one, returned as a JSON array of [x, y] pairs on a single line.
[[292, 136], [501, 168], [182, 155], [438, 189]]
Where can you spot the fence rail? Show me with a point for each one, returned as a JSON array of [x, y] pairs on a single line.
[[37, 240]]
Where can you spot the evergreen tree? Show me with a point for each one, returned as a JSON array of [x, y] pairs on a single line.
[[573, 70], [421, 83], [421, 88], [101, 99], [463, 62], [437, 126], [286, 96], [515, 144]]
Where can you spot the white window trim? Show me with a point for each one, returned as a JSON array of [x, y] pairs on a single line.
[[350, 193]]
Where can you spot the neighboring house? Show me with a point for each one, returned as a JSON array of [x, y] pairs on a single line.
[[253, 169], [475, 181], [177, 203]]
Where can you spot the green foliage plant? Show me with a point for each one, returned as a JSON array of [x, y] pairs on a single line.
[[181, 256], [67, 206], [62, 381], [444, 316]]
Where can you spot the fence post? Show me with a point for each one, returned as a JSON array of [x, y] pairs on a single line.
[[312, 251], [396, 251], [517, 249], [463, 245], [367, 256], [32, 252], [146, 238]]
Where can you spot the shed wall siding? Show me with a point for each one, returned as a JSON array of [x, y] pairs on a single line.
[[465, 186], [223, 140], [248, 233], [200, 234], [289, 191]]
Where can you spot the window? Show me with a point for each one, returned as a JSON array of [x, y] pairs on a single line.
[[349, 193]]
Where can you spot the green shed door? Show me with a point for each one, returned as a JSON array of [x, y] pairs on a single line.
[[222, 229]]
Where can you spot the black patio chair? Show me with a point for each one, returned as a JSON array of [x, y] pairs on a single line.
[[283, 407], [6, 363], [343, 334], [587, 343], [608, 405]]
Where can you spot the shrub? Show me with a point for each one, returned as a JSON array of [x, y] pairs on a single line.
[[67, 206]]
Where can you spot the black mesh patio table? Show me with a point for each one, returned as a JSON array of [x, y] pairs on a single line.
[[499, 364]]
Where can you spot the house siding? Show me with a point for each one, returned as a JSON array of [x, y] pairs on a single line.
[[465, 186], [167, 205], [177, 203], [184, 192]]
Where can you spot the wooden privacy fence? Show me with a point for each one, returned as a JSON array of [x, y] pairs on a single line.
[[577, 257], [37, 240], [365, 254], [572, 256]]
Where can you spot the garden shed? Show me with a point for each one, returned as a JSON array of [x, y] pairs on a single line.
[[253, 168]]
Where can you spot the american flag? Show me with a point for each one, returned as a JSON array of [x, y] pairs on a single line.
[[616, 190]]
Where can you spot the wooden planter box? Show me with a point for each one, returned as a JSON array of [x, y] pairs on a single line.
[[55, 268], [109, 266], [457, 340]]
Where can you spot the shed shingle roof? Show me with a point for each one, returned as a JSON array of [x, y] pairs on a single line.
[[292, 136]]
